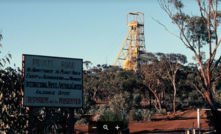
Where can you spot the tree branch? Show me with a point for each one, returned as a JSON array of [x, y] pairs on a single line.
[[171, 32], [214, 80], [197, 88], [205, 23], [165, 27], [214, 50], [201, 79], [217, 62]]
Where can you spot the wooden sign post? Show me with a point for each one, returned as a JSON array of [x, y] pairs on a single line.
[[71, 122], [30, 119]]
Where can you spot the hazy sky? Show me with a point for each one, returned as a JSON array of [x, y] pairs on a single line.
[[92, 30]]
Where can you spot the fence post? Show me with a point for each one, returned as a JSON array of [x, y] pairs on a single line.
[[198, 120], [194, 131], [188, 132]]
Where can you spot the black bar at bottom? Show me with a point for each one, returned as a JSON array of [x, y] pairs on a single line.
[[111, 127]]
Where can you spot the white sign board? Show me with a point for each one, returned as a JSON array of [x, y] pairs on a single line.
[[52, 81]]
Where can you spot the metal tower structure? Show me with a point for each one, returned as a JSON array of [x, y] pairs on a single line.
[[134, 43]]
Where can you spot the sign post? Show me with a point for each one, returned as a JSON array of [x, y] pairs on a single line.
[[71, 121], [30, 118], [53, 82]]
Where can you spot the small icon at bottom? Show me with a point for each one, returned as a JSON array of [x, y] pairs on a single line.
[[117, 127], [105, 127]]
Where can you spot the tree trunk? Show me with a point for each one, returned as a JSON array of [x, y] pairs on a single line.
[[95, 90], [150, 100], [164, 97], [174, 98], [157, 100], [155, 105], [159, 96], [154, 93], [159, 103]]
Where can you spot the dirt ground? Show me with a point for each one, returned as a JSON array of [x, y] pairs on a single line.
[[167, 124]]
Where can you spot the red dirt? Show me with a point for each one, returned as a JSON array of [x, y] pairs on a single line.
[[167, 124]]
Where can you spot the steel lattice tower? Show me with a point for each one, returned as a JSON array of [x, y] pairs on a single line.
[[134, 43]]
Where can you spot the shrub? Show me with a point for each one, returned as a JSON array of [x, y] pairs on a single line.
[[131, 115], [146, 114], [13, 115], [45, 121], [136, 99], [162, 111], [93, 110], [81, 121], [140, 114], [121, 101], [112, 116], [217, 97], [77, 117], [86, 104], [97, 117], [98, 110], [101, 109], [195, 98]]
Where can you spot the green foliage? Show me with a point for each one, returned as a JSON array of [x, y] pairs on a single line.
[[48, 120], [13, 115], [6, 57], [137, 99], [146, 114], [77, 117], [86, 104], [195, 98], [101, 109], [140, 115], [121, 101], [167, 98], [93, 110], [81, 121], [131, 115], [113, 116], [107, 82], [98, 111], [217, 97], [162, 111]]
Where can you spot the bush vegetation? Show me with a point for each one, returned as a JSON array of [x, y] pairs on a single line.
[[122, 88], [162, 111], [81, 121], [140, 115]]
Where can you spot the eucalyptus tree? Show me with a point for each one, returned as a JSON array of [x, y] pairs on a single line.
[[170, 64], [152, 82], [87, 64], [195, 33], [6, 57], [151, 76], [13, 114]]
